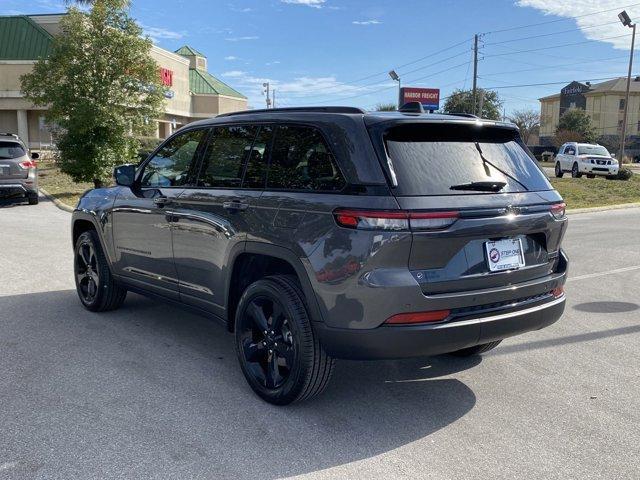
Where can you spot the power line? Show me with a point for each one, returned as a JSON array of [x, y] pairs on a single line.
[[557, 46], [559, 19], [550, 34], [550, 83], [538, 67]]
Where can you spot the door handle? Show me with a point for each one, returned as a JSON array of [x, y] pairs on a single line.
[[161, 201], [235, 205]]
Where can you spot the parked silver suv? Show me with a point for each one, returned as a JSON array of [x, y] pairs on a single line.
[[18, 171]]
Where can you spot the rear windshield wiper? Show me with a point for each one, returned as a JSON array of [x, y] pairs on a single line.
[[480, 186], [487, 162]]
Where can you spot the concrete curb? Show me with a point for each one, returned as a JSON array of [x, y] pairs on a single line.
[[621, 206], [56, 202]]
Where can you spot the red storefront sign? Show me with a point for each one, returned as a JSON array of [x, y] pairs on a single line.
[[428, 97], [166, 77]]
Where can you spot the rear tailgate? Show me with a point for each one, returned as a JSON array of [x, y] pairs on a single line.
[[499, 195], [457, 259], [11, 154]]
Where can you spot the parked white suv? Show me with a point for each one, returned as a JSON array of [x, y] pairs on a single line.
[[585, 158]]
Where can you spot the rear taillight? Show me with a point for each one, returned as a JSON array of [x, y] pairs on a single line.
[[558, 210], [394, 219], [28, 164], [418, 317], [558, 292]]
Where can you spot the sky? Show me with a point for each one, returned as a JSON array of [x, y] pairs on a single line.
[[338, 52]]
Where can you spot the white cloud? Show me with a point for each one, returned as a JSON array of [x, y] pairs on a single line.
[[234, 73], [241, 39], [591, 25], [157, 33], [366, 22], [231, 58], [300, 90], [308, 3]]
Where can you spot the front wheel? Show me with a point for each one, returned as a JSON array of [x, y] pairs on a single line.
[[33, 199], [279, 353], [96, 288], [476, 349], [559, 172], [575, 171]]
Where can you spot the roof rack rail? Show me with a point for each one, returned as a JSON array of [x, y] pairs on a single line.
[[468, 115], [3, 134], [296, 109]]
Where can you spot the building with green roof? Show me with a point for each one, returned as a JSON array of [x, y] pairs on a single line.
[[193, 93]]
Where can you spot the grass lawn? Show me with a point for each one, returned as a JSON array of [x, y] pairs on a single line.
[[596, 192], [60, 185]]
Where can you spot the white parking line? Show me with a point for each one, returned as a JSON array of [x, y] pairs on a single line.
[[600, 274]]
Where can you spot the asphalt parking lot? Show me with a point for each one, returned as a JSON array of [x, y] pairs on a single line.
[[152, 392]]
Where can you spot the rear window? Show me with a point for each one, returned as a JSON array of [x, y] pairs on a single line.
[[430, 159], [9, 150]]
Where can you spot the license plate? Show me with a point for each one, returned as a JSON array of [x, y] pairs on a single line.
[[504, 254]]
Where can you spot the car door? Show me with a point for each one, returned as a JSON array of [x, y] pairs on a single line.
[[211, 220], [569, 157], [141, 221]]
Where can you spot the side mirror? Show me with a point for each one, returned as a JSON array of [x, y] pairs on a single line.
[[35, 156], [124, 175], [613, 155]]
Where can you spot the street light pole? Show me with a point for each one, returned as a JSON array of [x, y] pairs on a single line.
[[626, 21]]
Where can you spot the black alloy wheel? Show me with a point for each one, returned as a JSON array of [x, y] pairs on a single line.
[[96, 287], [267, 342], [87, 277], [278, 350]]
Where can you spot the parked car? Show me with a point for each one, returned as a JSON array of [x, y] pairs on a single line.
[[18, 170], [321, 233], [585, 158]]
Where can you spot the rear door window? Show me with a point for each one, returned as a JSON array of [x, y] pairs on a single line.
[[430, 159], [301, 160], [223, 163]]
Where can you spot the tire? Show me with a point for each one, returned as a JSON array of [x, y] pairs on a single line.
[[293, 370], [476, 349], [590, 175], [33, 199], [575, 171], [559, 171], [96, 288]]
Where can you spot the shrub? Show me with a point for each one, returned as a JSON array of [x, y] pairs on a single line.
[[625, 174]]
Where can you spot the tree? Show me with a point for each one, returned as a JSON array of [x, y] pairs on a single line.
[[563, 136], [386, 107], [101, 87], [579, 121], [461, 101], [528, 121]]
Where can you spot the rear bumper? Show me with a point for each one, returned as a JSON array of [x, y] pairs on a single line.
[[388, 342], [17, 188]]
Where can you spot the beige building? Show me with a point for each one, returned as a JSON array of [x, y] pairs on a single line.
[[193, 93], [604, 102]]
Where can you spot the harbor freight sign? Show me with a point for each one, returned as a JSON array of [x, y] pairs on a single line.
[[428, 97]]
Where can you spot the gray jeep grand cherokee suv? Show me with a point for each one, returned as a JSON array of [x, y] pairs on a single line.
[[323, 233]]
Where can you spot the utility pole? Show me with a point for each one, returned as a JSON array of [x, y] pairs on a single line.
[[266, 91], [274, 98], [626, 21], [475, 72]]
